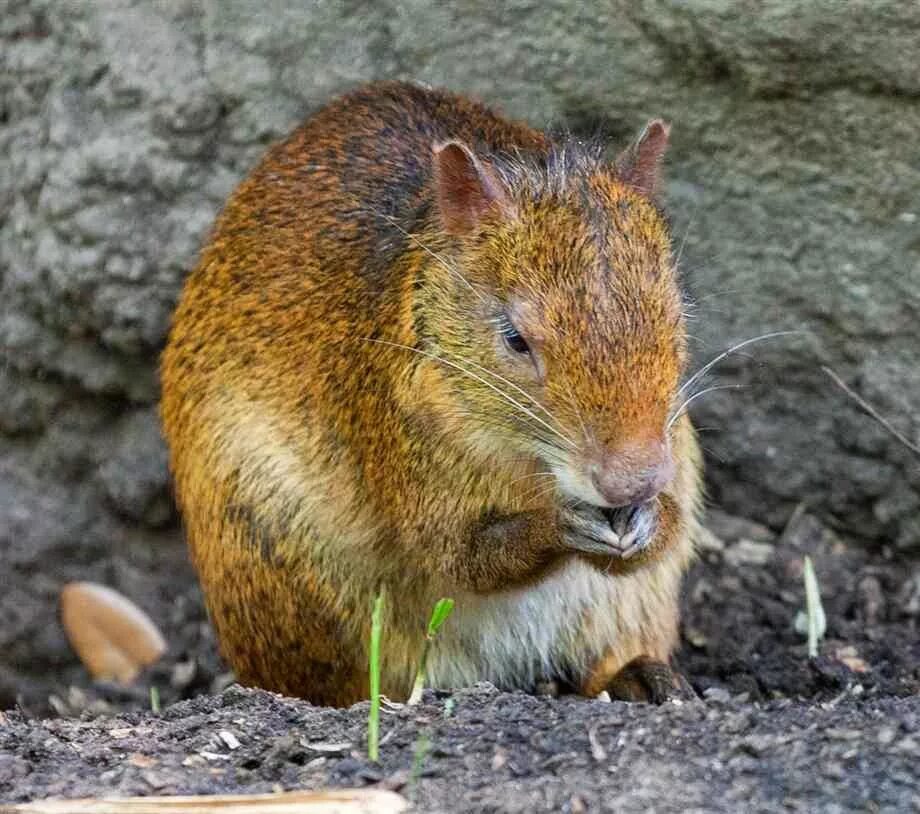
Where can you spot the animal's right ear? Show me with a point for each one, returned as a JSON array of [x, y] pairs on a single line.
[[466, 189]]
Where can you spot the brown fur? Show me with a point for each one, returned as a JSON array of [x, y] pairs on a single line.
[[316, 463]]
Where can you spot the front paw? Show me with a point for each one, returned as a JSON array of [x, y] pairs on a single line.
[[619, 533], [635, 525]]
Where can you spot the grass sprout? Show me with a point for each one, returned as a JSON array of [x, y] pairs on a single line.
[[419, 755], [813, 622], [373, 717], [155, 700], [439, 614]]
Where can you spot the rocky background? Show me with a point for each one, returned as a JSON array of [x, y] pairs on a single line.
[[794, 182]]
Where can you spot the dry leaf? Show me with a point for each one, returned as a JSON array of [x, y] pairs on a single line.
[[343, 801], [112, 636]]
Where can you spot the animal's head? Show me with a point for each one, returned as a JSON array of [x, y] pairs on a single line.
[[559, 312]]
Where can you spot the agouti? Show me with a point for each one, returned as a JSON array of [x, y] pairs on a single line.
[[433, 352]]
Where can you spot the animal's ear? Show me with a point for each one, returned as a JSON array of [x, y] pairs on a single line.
[[466, 189], [640, 165]]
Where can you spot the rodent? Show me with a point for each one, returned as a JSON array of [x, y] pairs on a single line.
[[433, 352]]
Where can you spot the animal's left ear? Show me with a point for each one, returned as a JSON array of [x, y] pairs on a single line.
[[640, 165]]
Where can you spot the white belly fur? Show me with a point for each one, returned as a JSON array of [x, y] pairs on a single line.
[[554, 628]]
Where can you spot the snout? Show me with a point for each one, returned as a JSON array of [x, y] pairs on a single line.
[[633, 474]]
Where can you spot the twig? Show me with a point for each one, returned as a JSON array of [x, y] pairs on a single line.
[[871, 410]]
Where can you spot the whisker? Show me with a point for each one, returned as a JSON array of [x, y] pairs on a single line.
[[713, 453], [532, 475], [687, 402], [501, 378], [540, 495], [683, 240], [433, 254], [571, 397], [713, 362], [488, 384]]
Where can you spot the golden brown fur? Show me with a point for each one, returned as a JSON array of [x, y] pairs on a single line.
[[326, 443]]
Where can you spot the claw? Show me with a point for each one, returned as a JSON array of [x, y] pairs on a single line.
[[651, 681]]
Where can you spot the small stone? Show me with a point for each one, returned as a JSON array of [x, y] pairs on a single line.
[[499, 759], [696, 637], [886, 735], [120, 734], [154, 779], [730, 528], [718, 695], [230, 740], [848, 656], [749, 552], [576, 805]]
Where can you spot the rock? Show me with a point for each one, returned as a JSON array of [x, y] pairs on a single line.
[[747, 552], [135, 477], [731, 529]]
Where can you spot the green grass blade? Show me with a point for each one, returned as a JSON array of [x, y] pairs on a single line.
[[442, 610], [439, 614], [373, 718]]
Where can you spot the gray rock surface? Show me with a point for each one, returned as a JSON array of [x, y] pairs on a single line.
[[794, 183]]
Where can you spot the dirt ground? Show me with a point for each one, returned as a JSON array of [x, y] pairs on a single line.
[[771, 731]]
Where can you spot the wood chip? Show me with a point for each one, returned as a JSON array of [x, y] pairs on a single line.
[[339, 801], [112, 636]]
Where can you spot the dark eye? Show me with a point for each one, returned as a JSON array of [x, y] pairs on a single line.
[[512, 338]]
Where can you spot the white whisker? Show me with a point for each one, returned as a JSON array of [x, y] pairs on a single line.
[[713, 362], [488, 384], [501, 378], [433, 254], [687, 402]]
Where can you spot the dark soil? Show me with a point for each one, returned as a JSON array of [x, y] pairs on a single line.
[[772, 731]]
